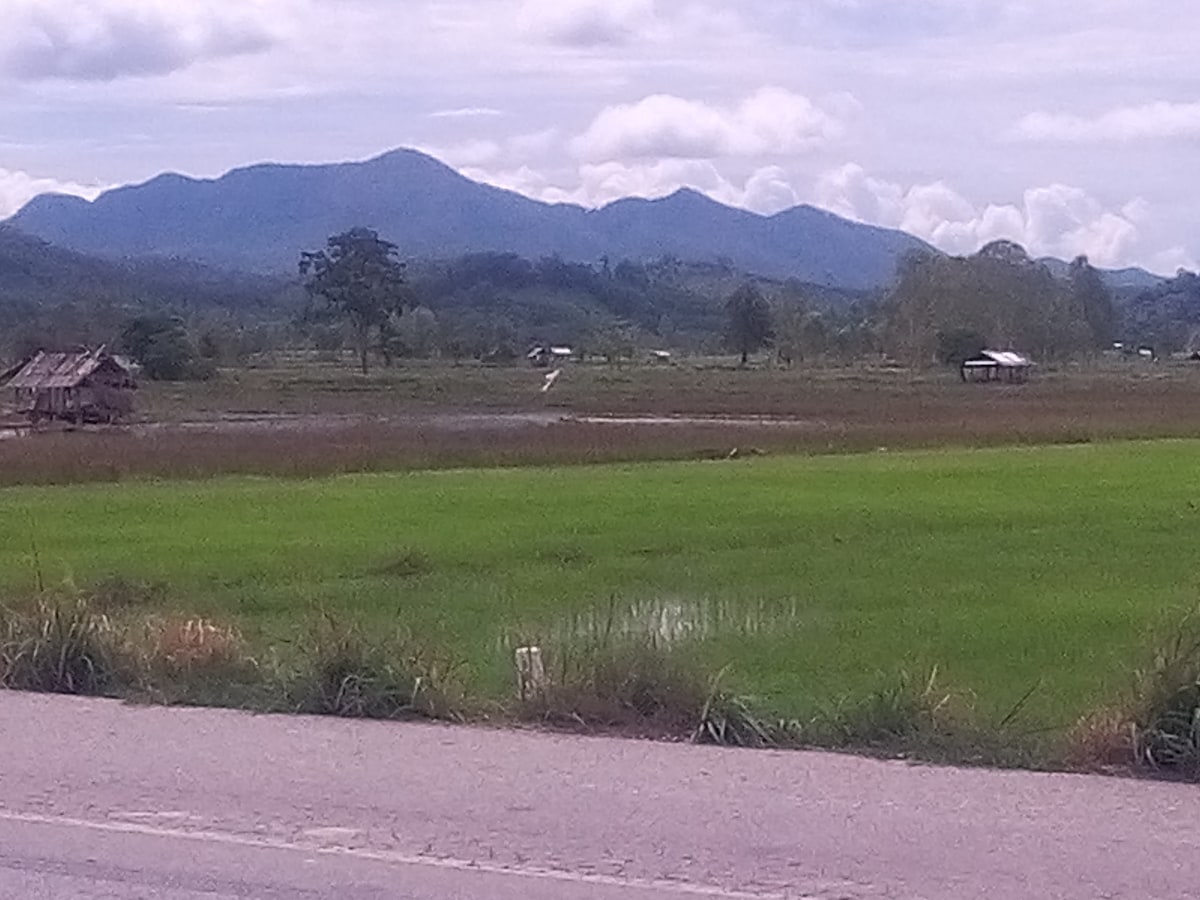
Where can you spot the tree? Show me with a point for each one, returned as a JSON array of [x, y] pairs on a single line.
[[956, 345], [162, 346], [747, 321], [1094, 301], [789, 333], [999, 295], [415, 335], [360, 278]]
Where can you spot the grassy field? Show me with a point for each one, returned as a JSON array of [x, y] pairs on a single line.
[[1005, 568]]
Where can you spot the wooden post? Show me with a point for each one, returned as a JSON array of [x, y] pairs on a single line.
[[531, 673]]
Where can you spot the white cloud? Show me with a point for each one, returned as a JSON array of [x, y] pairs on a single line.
[[772, 121], [536, 144], [767, 190], [1056, 220], [586, 23], [18, 188], [468, 153], [467, 112], [1173, 260], [101, 40], [1153, 121]]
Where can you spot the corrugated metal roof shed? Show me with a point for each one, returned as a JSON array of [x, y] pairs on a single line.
[[1005, 359]]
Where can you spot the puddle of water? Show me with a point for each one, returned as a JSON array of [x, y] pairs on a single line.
[[671, 621], [272, 422], [667, 421]]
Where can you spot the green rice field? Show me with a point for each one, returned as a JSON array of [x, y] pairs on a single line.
[[810, 577]]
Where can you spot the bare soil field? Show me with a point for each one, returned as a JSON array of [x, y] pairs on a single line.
[[304, 418]]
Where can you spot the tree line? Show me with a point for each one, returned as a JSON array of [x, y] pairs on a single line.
[[358, 292]]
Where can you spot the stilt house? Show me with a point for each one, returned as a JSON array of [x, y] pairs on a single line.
[[92, 386]]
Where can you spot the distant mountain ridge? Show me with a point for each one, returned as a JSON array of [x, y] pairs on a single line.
[[35, 272], [1124, 280], [260, 218]]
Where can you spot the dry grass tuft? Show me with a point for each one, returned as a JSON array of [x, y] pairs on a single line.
[[1104, 741], [186, 645]]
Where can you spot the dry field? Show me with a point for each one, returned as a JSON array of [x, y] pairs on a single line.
[[303, 418]]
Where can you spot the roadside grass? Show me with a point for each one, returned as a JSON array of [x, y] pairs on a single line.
[[807, 577], [608, 682], [340, 670], [635, 686], [58, 645], [1155, 723]]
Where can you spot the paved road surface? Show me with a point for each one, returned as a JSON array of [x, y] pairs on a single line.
[[100, 800]]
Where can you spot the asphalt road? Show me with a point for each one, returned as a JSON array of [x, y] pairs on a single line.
[[101, 800]]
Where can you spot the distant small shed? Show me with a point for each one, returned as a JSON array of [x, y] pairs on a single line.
[[543, 357], [91, 386], [996, 365]]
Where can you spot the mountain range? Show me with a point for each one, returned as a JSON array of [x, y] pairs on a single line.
[[260, 218]]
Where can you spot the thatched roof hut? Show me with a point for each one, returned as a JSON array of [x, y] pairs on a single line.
[[90, 386]]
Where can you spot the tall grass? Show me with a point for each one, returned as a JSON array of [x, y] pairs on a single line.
[[609, 673], [67, 645], [1166, 703], [1156, 724], [58, 645], [343, 672]]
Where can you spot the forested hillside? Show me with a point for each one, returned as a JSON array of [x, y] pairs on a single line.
[[258, 218], [55, 297]]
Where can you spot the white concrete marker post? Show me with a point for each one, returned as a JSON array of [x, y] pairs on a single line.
[[531, 673]]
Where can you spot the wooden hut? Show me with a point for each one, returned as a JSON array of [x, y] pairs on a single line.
[[92, 386]]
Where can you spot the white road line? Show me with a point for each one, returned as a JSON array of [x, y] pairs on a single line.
[[677, 888]]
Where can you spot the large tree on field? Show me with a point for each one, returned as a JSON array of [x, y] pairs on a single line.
[[1093, 301], [747, 321], [360, 277], [1001, 296]]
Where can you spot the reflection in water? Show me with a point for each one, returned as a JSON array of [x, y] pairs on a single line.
[[670, 621]]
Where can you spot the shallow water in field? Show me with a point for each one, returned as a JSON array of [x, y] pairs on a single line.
[[668, 421], [669, 621]]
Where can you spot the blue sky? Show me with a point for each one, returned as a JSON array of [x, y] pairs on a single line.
[[1071, 127]]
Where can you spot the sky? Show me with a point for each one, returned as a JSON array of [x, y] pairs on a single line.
[[1071, 127]]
